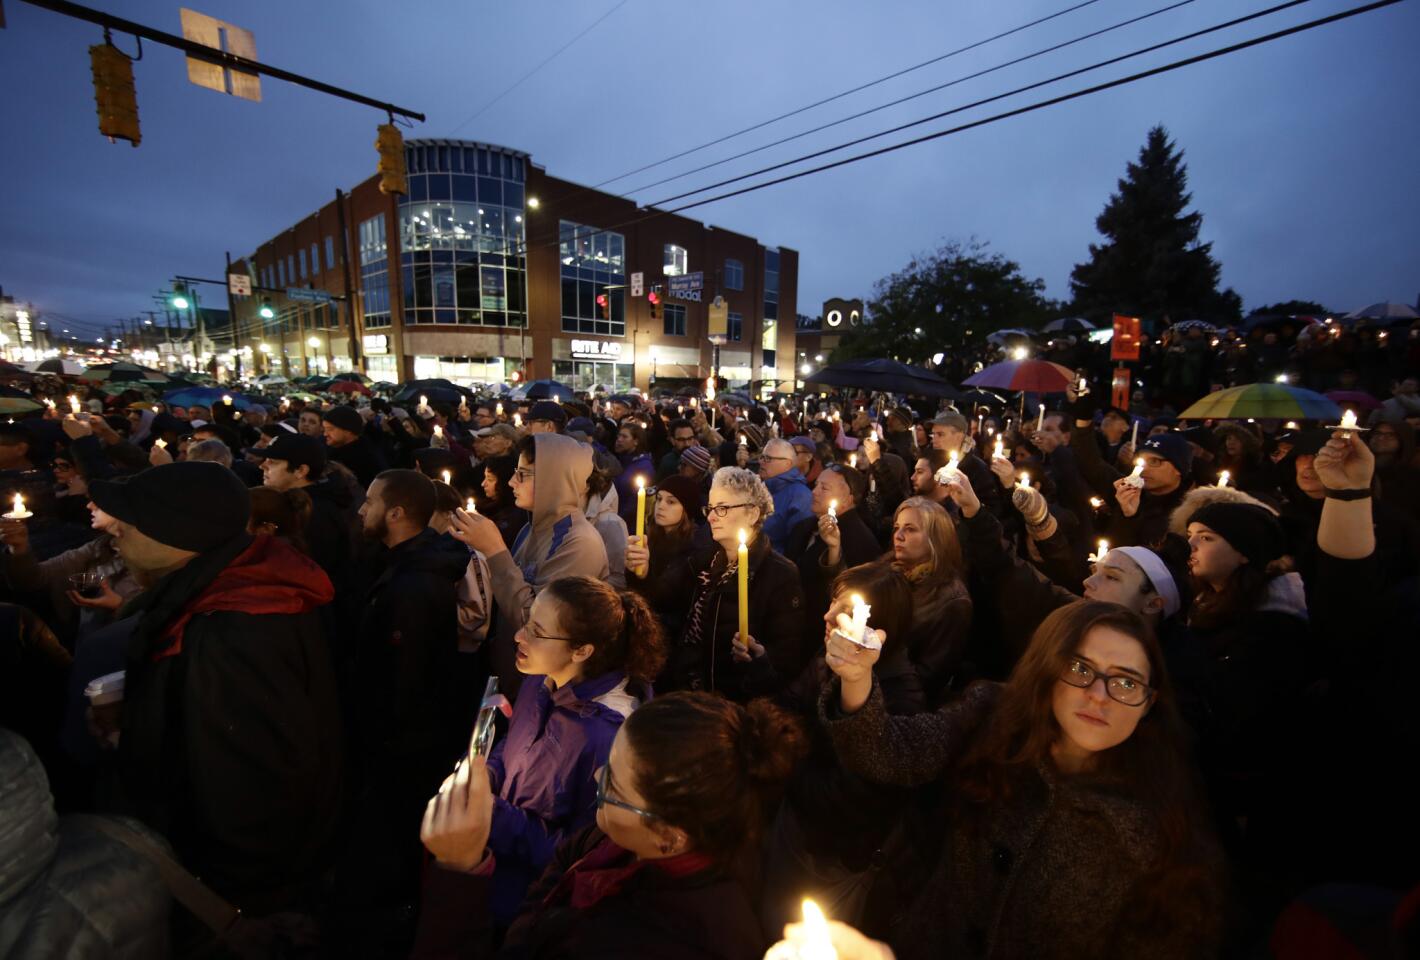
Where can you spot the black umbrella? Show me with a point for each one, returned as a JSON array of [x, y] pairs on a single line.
[[981, 398], [436, 389], [884, 375], [1069, 325], [547, 390]]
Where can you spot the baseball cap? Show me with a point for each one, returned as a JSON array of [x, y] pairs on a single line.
[[296, 449], [504, 430], [191, 505], [548, 410]]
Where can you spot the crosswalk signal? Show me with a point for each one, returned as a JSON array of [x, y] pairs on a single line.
[[654, 299], [390, 144], [114, 95]]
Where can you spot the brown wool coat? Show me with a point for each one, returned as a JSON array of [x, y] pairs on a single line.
[[1061, 869]]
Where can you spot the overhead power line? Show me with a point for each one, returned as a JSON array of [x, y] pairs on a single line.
[[861, 87]]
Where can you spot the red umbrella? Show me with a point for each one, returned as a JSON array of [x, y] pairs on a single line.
[[1355, 399], [348, 386], [1034, 376]]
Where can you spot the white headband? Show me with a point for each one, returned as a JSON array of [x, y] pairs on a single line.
[[1157, 573]]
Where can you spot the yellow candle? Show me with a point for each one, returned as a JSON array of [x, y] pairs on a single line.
[[816, 943], [640, 507], [744, 588], [227, 399]]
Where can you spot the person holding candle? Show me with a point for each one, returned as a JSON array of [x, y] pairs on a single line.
[[1240, 454], [710, 655], [671, 530], [949, 433], [666, 871], [495, 499], [835, 538], [632, 450], [1068, 806]]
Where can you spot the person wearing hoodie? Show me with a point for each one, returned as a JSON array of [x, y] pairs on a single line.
[[793, 500], [406, 706], [229, 741], [590, 653], [550, 482]]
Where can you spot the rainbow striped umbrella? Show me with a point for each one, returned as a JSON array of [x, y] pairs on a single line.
[[1034, 376], [1263, 401]]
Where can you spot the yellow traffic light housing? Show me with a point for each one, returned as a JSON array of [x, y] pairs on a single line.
[[390, 144], [114, 94]]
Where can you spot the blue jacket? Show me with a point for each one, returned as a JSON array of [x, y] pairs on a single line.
[[793, 502], [542, 776], [640, 465]]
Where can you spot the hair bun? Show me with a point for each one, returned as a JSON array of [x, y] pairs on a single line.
[[771, 742]]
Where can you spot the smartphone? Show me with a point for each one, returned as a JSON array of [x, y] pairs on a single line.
[[481, 743]]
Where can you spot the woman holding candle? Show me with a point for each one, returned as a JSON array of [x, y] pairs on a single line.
[[495, 497], [681, 805], [1069, 813], [665, 558], [710, 654], [632, 450]]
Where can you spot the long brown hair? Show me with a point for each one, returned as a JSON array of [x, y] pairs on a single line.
[[884, 588], [1152, 765], [947, 564], [713, 768], [621, 626]]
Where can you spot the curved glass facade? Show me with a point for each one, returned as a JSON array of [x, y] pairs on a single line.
[[461, 234]]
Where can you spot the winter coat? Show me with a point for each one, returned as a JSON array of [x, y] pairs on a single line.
[[330, 532], [809, 552], [793, 503], [558, 542], [776, 603], [1056, 868], [542, 775], [941, 623], [66, 888], [231, 730], [603, 512], [509, 517], [632, 467], [704, 915], [1150, 522], [362, 458], [669, 580]]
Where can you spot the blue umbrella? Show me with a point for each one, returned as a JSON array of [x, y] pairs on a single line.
[[204, 396], [547, 390]]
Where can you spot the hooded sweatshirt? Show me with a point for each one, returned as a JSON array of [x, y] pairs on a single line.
[[558, 542]]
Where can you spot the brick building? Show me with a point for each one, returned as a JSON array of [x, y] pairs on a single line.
[[490, 270]]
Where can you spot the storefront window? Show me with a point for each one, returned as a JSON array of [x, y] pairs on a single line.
[[594, 374]]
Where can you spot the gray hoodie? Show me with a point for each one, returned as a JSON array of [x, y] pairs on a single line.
[[557, 542]]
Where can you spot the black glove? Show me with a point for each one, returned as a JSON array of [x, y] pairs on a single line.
[[1084, 407]]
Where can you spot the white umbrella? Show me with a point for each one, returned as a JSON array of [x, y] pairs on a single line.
[[56, 365], [1384, 311]]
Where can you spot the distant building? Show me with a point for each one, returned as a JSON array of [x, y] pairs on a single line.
[[491, 270]]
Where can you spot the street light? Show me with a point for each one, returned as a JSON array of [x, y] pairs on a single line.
[[534, 203], [313, 342], [265, 348], [1019, 353]]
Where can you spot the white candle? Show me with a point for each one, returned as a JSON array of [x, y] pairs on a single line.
[[1134, 437], [860, 618], [1223, 478], [743, 442], [448, 478], [74, 404], [1138, 469], [1025, 481], [160, 443], [438, 432], [470, 507], [853, 460], [1000, 452], [499, 409], [833, 509], [952, 462], [1100, 552], [1040, 420], [816, 945], [18, 512], [517, 419], [1348, 420], [680, 409]]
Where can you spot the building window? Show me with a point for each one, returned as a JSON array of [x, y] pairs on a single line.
[[315, 259], [735, 326], [734, 275], [677, 261], [281, 273], [771, 285], [329, 253], [302, 262], [374, 272], [593, 265], [674, 320]]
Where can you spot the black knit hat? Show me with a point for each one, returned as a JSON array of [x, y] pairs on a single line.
[[346, 418], [689, 492], [1249, 529], [192, 504]]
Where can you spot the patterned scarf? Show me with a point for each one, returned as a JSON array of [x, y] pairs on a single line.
[[710, 584]]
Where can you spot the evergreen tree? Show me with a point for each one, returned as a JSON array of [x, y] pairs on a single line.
[[1152, 265]]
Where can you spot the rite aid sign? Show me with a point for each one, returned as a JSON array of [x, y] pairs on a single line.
[[596, 350]]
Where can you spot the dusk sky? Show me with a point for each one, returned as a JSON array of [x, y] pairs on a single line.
[[1302, 154]]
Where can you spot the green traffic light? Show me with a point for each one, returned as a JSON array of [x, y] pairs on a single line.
[[266, 312], [180, 302]]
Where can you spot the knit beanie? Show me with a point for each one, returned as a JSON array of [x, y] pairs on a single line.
[[1173, 448], [1250, 530], [689, 492], [697, 457]]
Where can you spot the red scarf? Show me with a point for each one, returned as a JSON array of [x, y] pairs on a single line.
[[606, 870]]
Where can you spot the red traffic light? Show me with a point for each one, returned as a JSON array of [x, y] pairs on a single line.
[[653, 297], [601, 299]]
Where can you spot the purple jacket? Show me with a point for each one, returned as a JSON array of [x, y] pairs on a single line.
[[542, 776]]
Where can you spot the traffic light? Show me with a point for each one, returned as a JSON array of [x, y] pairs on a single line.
[[114, 94], [390, 144], [179, 299], [266, 312], [654, 300], [603, 306]]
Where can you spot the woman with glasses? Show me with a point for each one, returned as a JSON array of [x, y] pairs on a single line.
[[709, 653], [660, 569], [1070, 824], [665, 871], [590, 654]]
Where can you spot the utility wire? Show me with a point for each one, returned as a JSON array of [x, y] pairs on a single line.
[[913, 96], [521, 80], [839, 96], [992, 99]]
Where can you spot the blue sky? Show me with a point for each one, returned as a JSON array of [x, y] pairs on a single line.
[[1301, 154]]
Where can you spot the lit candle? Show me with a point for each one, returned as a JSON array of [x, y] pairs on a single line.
[[1000, 452], [517, 419], [680, 409], [1223, 478], [952, 462], [1291, 424], [1025, 481], [816, 943], [853, 460], [1040, 420], [448, 478], [227, 399], [423, 403], [160, 443], [640, 507], [438, 432], [1138, 473], [19, 512], [743, 560], [499, 409], [833, 509], [1134, 437], [470, 507], [860, 620], [1101, 551], [1096, 502], [695, 403], [743, 442]]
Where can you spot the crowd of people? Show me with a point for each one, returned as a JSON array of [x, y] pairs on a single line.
[[1126, 685]]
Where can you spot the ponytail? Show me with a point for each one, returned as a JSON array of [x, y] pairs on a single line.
[[621, 626]]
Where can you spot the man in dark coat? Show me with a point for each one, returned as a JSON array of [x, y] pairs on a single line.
[[294, 461], [347, 444], [230, 739], [823, 545]]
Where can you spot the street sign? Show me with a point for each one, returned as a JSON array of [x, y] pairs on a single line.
[[239, 284], [687, 286], [307, 295], [638, 284], [719, 318], [211, 32]]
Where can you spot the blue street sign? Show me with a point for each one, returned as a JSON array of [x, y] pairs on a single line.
[[307, 295], [687, 286]]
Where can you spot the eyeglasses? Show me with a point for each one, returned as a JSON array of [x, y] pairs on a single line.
[[603, 778], [722, 509], [763, 458], [1123, 688], [520, 474]]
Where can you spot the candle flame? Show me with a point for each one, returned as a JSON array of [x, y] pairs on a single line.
[[438, 430], [160, 443], [1103, 547], [1096, 502], [853, 460], [1025, 479], [74, 402], [517, 419], [448, 477], [1348, 420], [640, 483], [833, 508], [227, 399], [743, 442], [744, 538], [816, 945], [1223, 478], [19, 504], [471, 507]]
